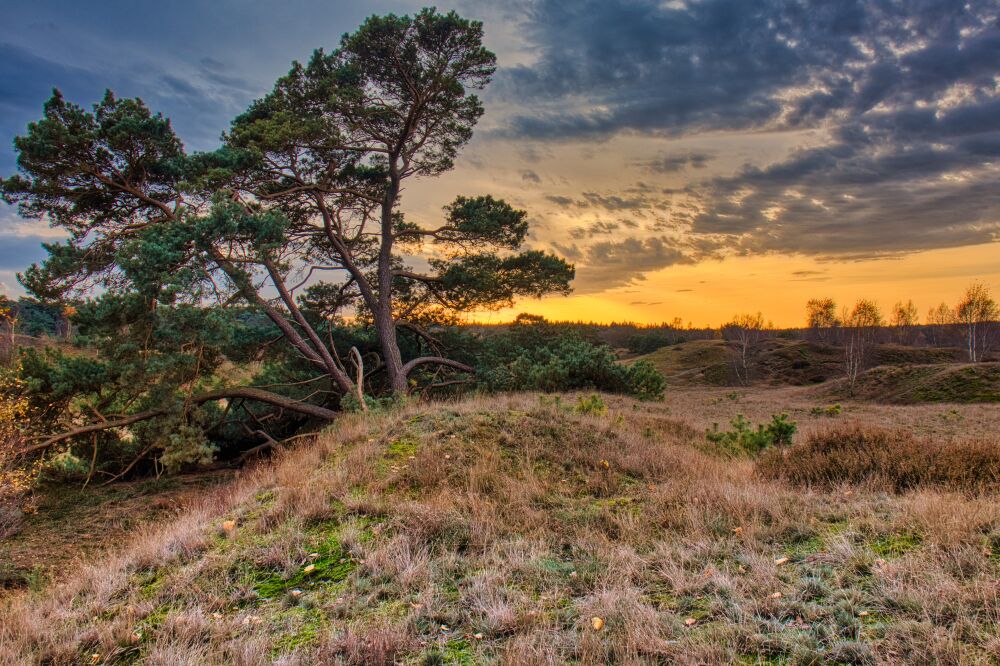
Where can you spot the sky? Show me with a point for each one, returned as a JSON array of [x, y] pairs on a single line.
[[692, 158]]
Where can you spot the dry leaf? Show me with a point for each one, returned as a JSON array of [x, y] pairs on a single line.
[[690, 622], [782, 560], [229, 526], [309, 568], [597, 623], [776, 595]]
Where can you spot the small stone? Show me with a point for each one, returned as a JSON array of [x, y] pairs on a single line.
[[295, 594], [573, 574], [863, 614], [313, 556], [776, 595], [478, 637], [690, 622]]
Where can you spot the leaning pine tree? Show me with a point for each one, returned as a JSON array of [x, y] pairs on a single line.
[[304, 191]]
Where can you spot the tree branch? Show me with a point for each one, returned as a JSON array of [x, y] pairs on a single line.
[[247, 393], [436, 360]]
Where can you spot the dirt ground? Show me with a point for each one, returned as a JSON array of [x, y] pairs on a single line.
[[71, 524]]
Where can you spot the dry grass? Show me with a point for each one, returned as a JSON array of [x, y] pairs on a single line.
[[497, 529], [890, 459]]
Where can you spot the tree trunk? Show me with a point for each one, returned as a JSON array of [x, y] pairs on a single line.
[[384, 320]]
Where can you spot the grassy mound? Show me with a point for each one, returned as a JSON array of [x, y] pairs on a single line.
[[521, 530], [695, 362], [912, 384]]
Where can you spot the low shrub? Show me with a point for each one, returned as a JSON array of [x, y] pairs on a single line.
[[891, 459], [743, 439], [593, 405]]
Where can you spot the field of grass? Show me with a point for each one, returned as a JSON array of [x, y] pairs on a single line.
[[530, 530]]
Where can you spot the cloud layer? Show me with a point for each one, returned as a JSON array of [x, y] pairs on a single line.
[[887, 112], [903, 93]]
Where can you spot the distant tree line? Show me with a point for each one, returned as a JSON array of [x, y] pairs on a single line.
[[972, 324]]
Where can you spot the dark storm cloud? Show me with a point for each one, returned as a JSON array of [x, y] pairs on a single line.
[[905, 91], [613, 263], [672, 67]]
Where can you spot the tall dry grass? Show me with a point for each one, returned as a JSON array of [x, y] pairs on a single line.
[[891, 459]]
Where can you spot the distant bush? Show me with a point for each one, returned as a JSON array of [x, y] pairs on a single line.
[[593, 404], [539, 357], [832, 410], [891, 459], [744, 439]]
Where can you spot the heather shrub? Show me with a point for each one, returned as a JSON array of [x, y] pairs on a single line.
[[894, 460]]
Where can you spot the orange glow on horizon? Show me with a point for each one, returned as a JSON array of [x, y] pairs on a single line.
[[711, 292]]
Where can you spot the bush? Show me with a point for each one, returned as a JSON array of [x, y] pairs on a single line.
[[891, 459], [593, 405], [743, 439], [537, 356]]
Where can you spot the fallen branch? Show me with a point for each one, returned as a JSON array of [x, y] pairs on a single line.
[[247, 393]]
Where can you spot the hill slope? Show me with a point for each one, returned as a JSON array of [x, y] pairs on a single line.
[[776, 361], [515, 530], [912, 384]]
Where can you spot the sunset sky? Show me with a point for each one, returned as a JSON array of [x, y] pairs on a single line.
[[694, 159]]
